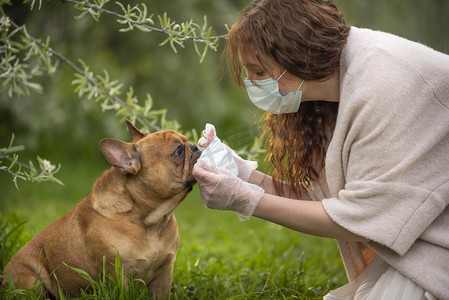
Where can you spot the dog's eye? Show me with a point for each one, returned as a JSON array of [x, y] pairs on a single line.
[[179, 151]]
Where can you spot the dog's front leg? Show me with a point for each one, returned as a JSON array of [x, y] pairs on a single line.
[[161, 285], [120, 279]]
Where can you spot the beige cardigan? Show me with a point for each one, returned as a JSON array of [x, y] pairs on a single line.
[[387, 165]]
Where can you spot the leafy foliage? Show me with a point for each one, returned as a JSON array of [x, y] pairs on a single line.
[[17, 50], [27, 58], [18, 72], [27, 172], [136, 17]]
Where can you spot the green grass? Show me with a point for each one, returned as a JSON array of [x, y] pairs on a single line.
[[219, 257]]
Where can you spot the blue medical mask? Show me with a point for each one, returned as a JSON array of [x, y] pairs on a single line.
[[266, 96]]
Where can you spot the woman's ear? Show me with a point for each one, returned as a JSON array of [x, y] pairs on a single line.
[[134, 133], [123, 156]]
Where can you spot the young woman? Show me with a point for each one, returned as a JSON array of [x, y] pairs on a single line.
[[358, 121]]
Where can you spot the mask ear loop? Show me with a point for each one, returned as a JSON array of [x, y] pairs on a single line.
[[281, 75], [300, 85]]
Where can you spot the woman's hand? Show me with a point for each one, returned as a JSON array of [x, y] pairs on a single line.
[[245, 167], [220, 189], [209, 134]]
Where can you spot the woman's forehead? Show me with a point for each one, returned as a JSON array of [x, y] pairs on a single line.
[[252, 62], [249, 59]]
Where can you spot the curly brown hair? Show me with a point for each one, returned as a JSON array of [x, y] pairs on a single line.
[[306, 37]]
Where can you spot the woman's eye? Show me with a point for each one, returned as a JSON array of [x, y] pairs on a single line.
[[257, 75]]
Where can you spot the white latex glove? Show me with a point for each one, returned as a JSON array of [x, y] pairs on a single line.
[[245, 167], [220, 189], [209, 134]]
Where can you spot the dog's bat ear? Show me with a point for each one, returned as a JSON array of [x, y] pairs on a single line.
[[123, 156], [134, 133]]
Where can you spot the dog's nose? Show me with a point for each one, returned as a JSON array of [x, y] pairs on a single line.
[[194, 148]]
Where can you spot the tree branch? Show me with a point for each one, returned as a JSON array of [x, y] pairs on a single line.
[[3, 155], [91, 80], [142, 24]]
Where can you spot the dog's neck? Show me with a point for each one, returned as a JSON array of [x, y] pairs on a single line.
[[125, 196]]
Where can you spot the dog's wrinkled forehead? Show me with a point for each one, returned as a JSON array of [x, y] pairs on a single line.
[[162, 139], [170, 136]]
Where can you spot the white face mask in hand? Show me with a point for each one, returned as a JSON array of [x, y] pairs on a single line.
[[215, 153], [218, 155], [266, 96]]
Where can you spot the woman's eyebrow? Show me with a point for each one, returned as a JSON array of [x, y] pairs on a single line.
[[252, 65]]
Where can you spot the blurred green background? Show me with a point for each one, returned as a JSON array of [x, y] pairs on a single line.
[[59, 126], [63, 128]]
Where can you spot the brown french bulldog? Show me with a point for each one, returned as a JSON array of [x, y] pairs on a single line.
[[130, 210]]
